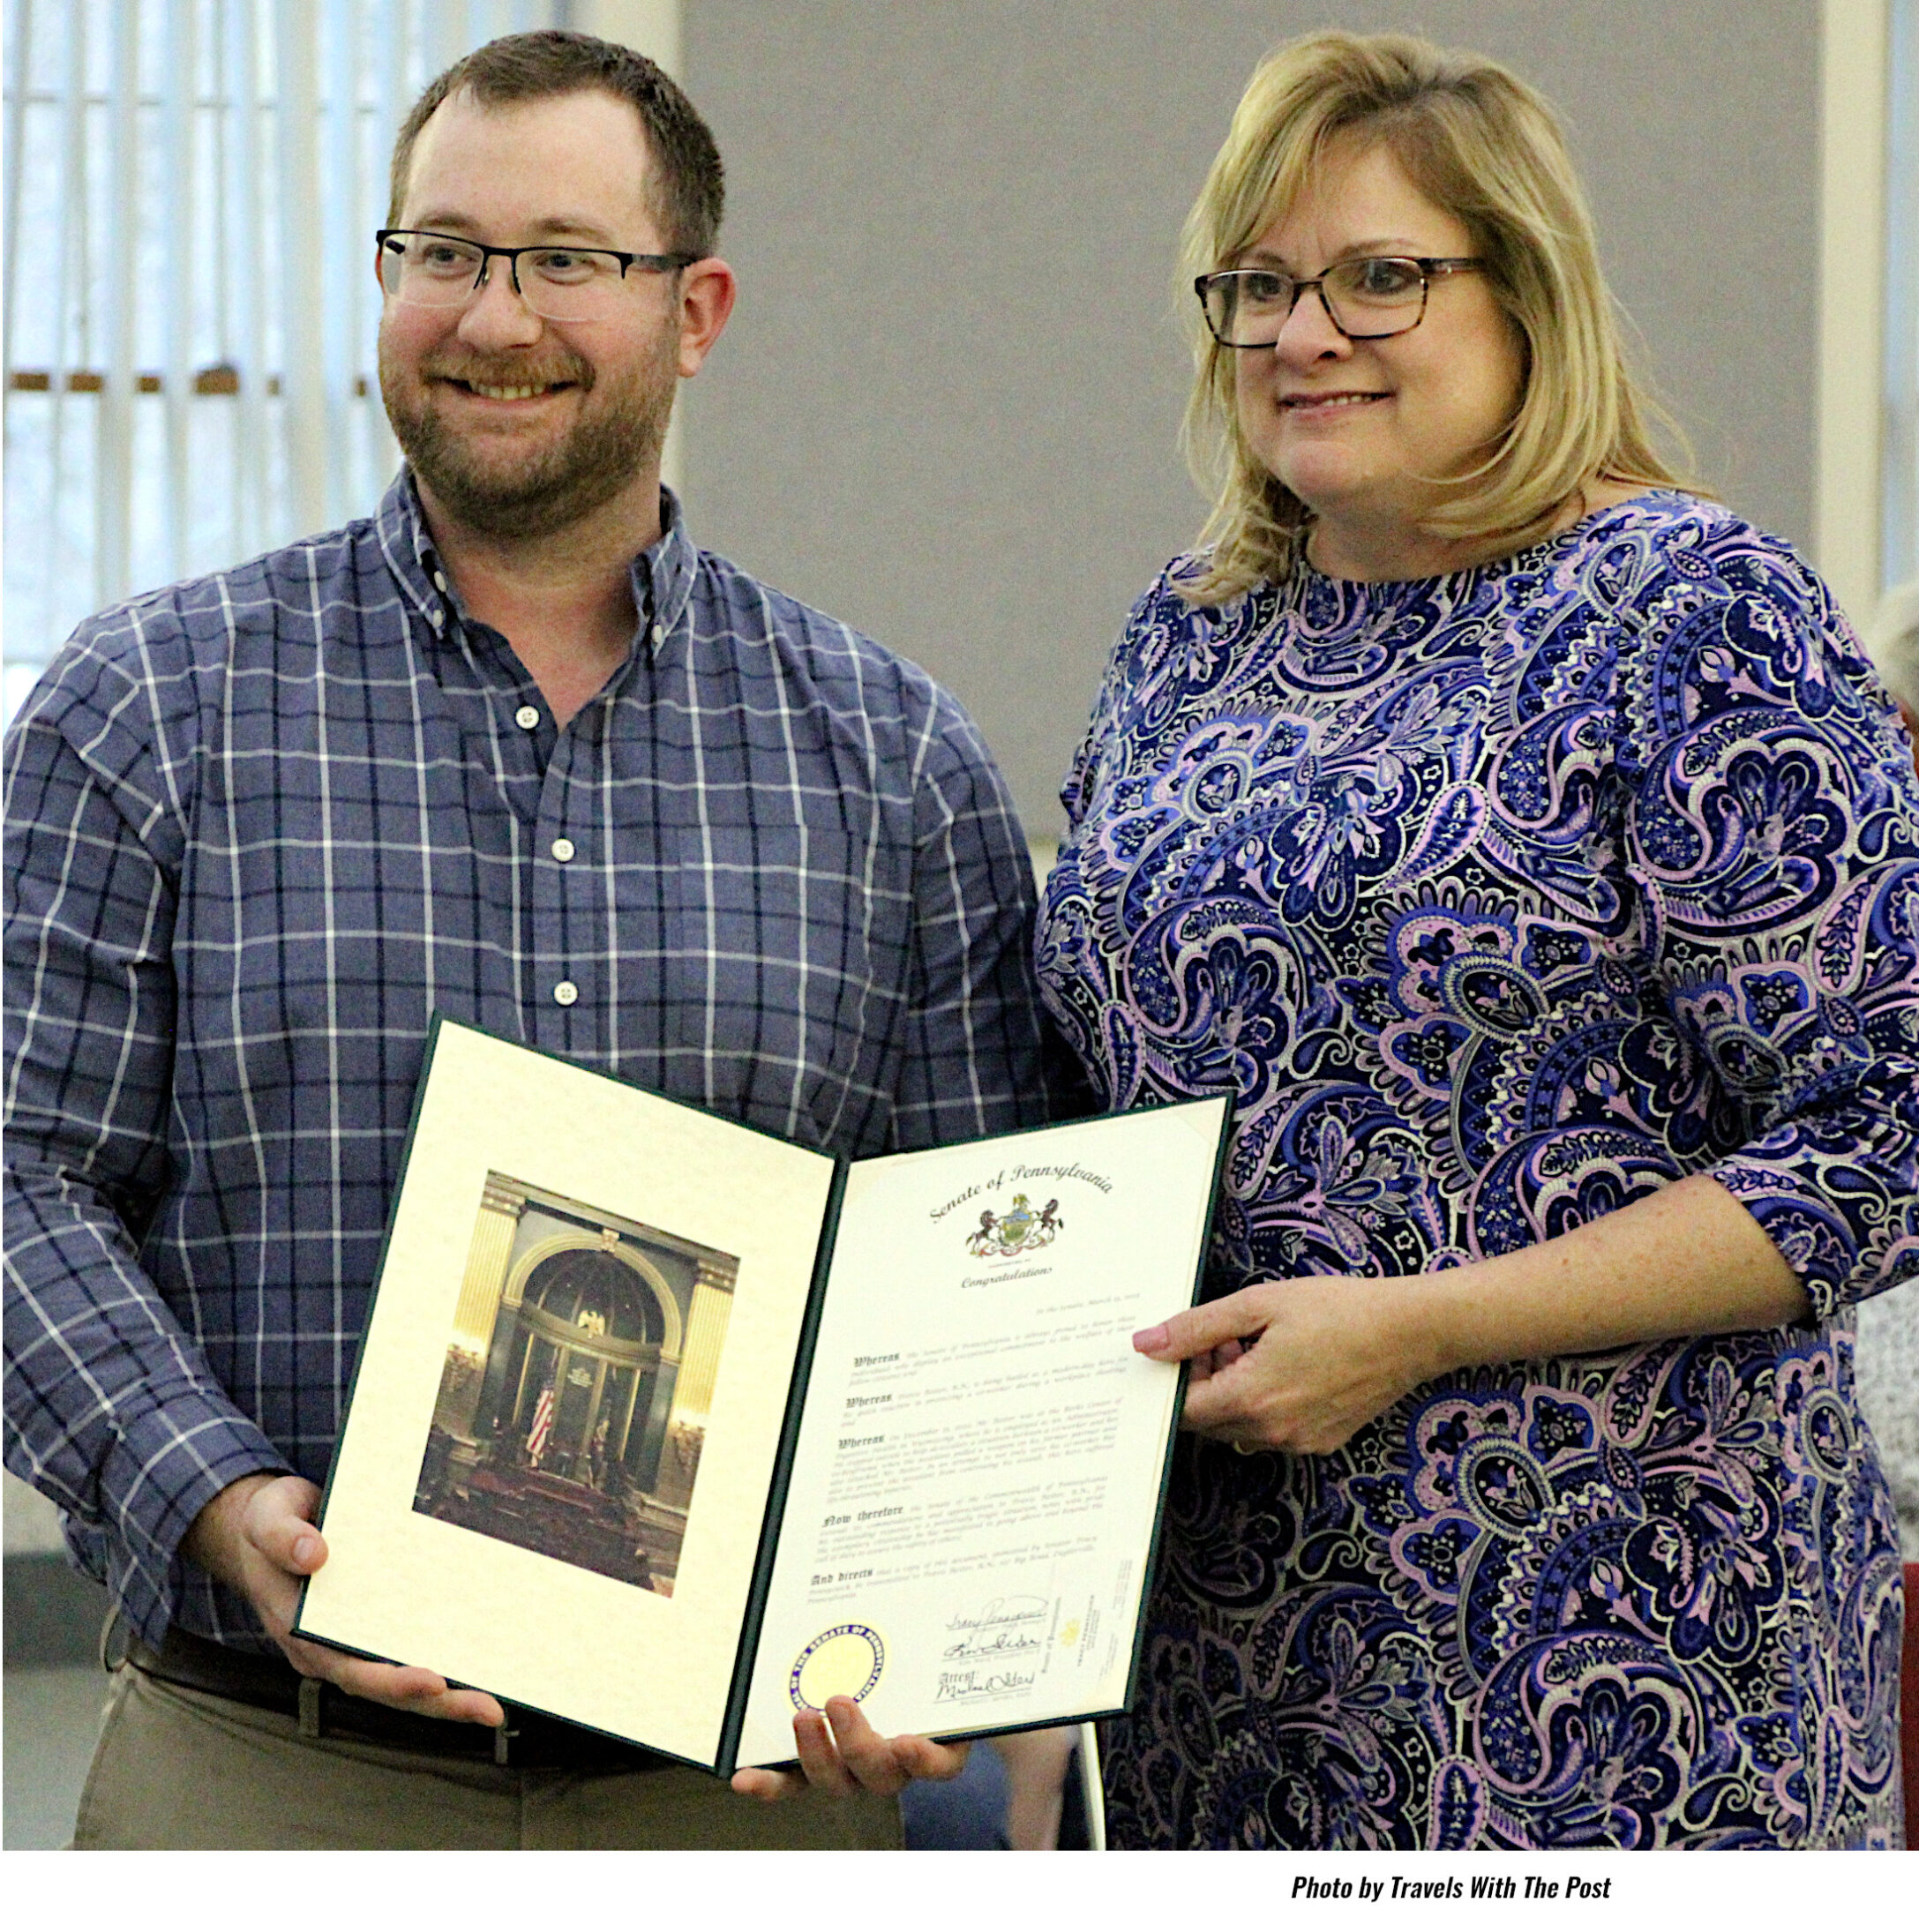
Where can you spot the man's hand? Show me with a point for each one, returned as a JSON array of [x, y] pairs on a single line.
[[840, 1753], [256, 1536]]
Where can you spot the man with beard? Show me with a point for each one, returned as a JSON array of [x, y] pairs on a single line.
[[515, 749]]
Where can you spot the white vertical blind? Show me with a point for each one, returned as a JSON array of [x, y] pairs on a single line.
[[245, 286], [350, 346], [70, 260], [179, 118], [20, 21], [113, 282], [302, 269], [191, 192]]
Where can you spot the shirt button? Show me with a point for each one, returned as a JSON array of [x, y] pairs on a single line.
[[440, 581], [563, 849], [527, 716], [565, 992]]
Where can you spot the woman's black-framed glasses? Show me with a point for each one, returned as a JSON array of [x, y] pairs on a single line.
[[554, 279], [1365, 300]]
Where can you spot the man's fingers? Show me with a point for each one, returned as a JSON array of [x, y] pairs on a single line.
[[421, 1692], [886, 1764], [769, 1787], [923, 1757], [819, 1754], [463, 1707], [384, 1683], [278, 1521], [820, 1766], [870, 1761], [841, 1754], [289, 1543], [406, 1687]]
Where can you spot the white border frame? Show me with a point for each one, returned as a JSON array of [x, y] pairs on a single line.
[[1848, 472]]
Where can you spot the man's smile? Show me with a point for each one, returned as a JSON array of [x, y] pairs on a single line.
[[516, 392], [506, 383]]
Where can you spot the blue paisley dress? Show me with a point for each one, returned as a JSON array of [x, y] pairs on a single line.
[[1497, 900]]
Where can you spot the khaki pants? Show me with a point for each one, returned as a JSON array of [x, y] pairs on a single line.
[[178, 1769]]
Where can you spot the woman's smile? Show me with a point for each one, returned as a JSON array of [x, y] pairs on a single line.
[[1370, 433], [1308, 406]]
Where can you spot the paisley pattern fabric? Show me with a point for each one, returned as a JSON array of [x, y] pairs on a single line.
[[1497, 901]]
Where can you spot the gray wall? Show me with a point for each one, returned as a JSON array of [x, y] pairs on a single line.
[[945, 409]]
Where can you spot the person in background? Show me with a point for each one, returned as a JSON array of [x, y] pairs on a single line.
[[1893, 643], [516, 750], [1521, 841], [1886, 1353]]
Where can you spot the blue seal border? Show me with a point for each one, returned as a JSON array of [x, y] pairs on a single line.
[[819, 1642]]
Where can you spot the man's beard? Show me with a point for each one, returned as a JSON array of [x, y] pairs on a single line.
[[499, 490]]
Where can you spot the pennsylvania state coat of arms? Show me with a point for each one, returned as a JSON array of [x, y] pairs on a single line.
[[1021, 1227]]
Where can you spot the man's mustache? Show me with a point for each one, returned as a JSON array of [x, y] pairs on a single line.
[[498, 374]]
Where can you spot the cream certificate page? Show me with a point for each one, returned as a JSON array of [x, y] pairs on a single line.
[[977, 1474], [567, 1412]]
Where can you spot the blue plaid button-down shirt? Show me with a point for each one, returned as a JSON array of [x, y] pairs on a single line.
[[260, 826]]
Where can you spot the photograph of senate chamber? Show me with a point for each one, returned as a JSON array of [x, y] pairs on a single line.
[[574, 1403]]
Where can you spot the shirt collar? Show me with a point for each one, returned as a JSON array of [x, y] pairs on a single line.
[[663, 573], [667, 566]]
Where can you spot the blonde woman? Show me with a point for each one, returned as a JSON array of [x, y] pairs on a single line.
[[1517, 838]]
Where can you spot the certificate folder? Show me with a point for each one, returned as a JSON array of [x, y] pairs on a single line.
[[667, 1425]]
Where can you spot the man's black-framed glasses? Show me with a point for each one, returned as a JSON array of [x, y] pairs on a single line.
[[553, 278], [1365, 300]]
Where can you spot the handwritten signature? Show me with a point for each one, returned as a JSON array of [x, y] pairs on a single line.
[[955, 1686], [1001, 1611], [1002, 1643]]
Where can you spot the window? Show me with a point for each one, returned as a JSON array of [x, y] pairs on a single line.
[[191, 188]]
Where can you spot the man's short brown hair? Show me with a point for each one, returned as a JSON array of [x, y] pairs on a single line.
[[688, 189]]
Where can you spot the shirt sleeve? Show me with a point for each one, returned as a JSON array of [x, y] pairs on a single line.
[[111, 1410], [980, 1057], [1772, 839]]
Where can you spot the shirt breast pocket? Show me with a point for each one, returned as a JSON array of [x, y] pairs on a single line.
[[774, 971]]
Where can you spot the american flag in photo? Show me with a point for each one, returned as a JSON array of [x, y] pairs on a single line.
[[542, 1425]]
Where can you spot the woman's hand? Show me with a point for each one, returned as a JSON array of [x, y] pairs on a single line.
[[1300, 1365], [841, 1754]]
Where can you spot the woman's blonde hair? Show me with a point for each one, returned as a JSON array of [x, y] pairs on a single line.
[[1475, 140]]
